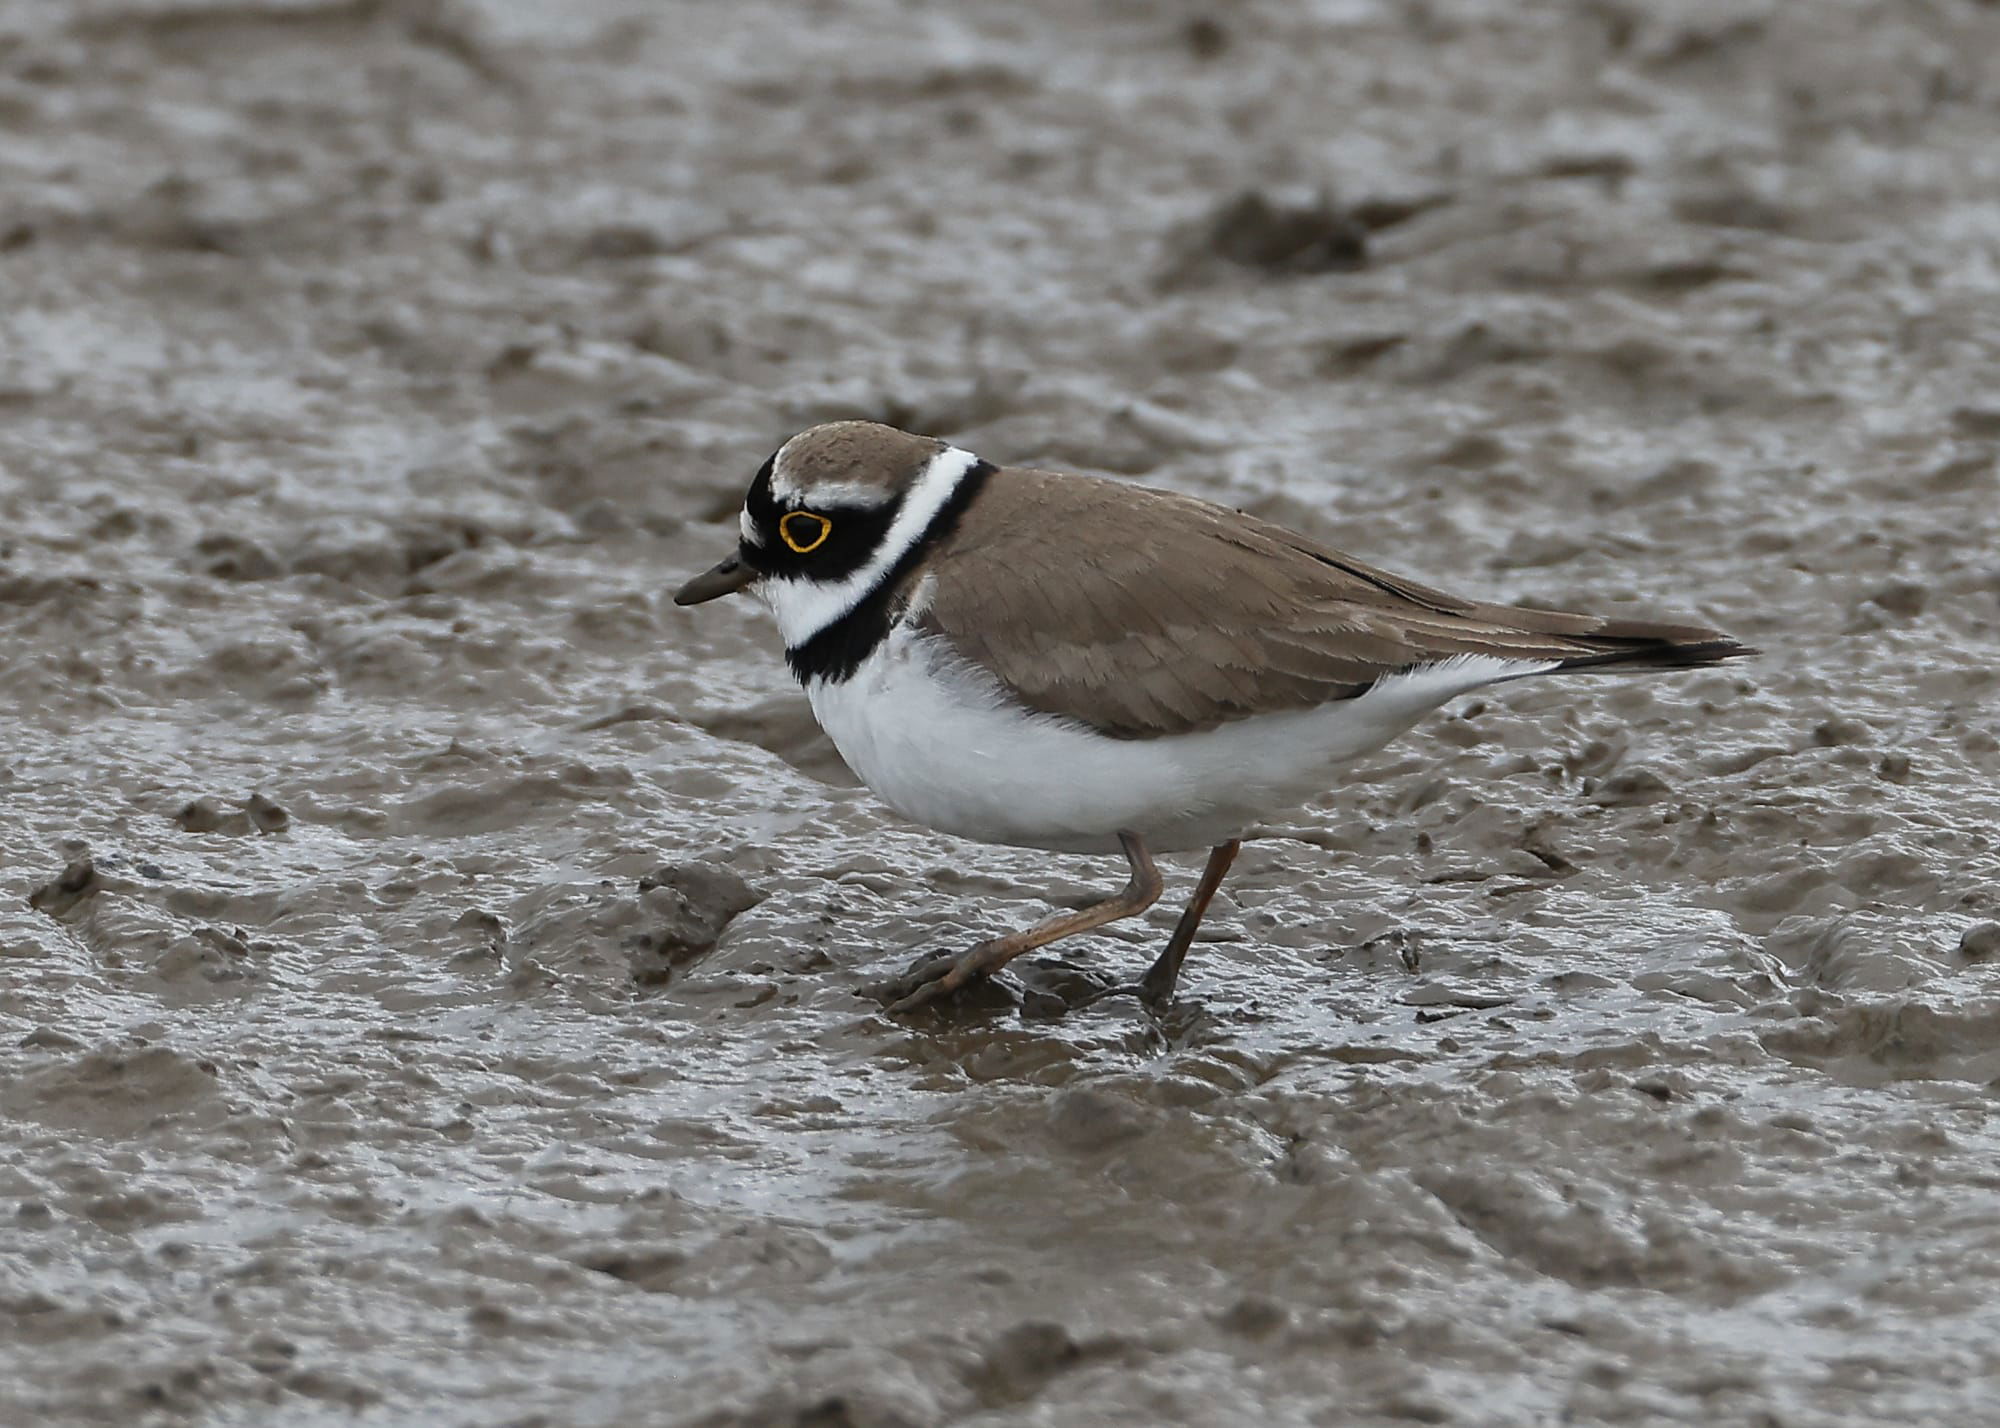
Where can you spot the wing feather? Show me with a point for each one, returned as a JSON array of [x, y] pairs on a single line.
[[1182, 615]]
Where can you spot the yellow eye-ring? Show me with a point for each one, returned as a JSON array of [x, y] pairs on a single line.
[[804, 532]]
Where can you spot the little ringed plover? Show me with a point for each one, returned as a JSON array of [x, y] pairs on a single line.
[[1084, 665]]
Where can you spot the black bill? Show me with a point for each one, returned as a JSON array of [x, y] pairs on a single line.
[[725, 579]]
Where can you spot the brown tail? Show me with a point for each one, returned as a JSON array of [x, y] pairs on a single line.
[[1631, 644], [1433, 626], [1665, 655]]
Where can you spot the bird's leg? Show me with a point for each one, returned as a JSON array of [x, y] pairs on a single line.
[[942, 976], [1156, 988]]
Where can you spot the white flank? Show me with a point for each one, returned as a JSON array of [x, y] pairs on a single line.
[[938, 740], [805, 607], [1430, 685]]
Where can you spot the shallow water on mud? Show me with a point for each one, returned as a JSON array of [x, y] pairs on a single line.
[[1605, 1051]]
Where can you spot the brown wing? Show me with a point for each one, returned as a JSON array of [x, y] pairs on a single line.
[[1185, 615]]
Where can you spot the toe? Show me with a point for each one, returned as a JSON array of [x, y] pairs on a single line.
[[902, 988], [922, 996]]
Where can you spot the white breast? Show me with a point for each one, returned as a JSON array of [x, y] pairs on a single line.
[[938, 741]]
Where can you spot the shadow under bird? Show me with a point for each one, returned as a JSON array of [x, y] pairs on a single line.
[[1089, 666]]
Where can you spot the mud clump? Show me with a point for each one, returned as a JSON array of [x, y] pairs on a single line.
[[266, 816], [64, 893], [688, 906], [1286, 235], [209, 814]]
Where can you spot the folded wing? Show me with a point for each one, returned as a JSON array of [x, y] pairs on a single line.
[[1176, 615]]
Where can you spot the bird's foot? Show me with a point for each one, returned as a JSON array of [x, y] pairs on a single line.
[[933, 978], [1101, 994], [1149, 996], [1048, 990]]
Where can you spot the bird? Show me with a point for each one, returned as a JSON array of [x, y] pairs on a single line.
[[1078, 664]]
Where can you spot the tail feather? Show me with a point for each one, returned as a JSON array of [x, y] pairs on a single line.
[[1586, 642], [1436, 627], [1664, 653]]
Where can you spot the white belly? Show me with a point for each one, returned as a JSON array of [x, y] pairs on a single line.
[[939, 743]]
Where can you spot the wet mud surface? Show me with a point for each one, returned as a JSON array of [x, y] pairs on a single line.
[[429, 960]]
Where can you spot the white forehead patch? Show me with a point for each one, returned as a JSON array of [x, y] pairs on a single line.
[[748, 527], [864, 494], [787, 490]]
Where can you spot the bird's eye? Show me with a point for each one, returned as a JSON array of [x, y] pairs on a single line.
[[803, 531]]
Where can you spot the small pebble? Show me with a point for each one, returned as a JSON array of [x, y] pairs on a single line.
[[1980, 942]]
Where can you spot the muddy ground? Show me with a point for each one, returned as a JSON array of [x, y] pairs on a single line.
[[450, 1015]]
